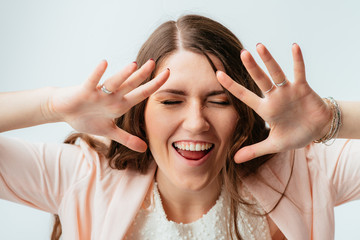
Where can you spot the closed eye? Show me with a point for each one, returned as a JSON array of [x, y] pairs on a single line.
[[220, 102], [171, 102]]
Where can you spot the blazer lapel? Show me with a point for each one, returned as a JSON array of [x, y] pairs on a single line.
[[129, 197], [294, 212]]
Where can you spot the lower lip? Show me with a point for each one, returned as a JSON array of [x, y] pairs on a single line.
[[193, 163]]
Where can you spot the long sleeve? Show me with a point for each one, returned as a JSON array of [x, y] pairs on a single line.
[[38, 175], [341, 164]]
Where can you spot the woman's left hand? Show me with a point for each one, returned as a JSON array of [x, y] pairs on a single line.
[[295, 113]]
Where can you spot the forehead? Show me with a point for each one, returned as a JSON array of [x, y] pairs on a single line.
[[191, 70]]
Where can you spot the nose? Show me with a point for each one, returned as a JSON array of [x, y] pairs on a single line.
[[195, 120]]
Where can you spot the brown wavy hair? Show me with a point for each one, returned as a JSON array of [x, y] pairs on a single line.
[[207, 37]]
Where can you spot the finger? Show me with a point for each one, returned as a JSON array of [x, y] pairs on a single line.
[[133, 142], [239, 91], [114, 82], [272, 66], [253, 151], [137, 77], [259, 76], [96, 75], [299, 65], [144, 91]]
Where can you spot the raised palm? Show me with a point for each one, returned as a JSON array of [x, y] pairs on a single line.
[[295, 113], [88, 109]]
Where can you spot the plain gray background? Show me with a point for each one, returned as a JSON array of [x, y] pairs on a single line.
[[58, 43]]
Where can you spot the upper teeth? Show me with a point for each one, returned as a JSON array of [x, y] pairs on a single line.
[[193, 146]]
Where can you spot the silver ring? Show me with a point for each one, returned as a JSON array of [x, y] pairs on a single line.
[[272, 86], [282, 83], [103, 88]]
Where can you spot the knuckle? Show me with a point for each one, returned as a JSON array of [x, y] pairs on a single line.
[[239, 91], [143, 74], [278, 74], [131, 84], [145, 92]]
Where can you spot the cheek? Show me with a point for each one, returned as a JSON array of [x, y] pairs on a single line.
[[226, 123], [159, 125], [151, 125], [226, 126]]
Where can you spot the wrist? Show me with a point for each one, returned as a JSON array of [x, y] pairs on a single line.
[[327, 127], [333, 125], [47, 108]]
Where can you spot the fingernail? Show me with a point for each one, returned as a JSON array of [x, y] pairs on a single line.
[[244, 50], [151, 59], [135, 62], [294, 44], [168, 69], [258, 44]]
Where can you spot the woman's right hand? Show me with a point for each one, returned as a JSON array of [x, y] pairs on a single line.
[[90, 110]]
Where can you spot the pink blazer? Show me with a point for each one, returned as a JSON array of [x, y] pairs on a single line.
[[97, 202]]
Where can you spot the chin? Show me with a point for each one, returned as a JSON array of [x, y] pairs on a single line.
[[193, 183]]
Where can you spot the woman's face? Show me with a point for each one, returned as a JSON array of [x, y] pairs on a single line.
[[189, 122]]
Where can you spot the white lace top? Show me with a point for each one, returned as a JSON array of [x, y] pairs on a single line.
[[152, 223]]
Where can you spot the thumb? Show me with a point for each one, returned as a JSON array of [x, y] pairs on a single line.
[[133, 142], [255, 150]]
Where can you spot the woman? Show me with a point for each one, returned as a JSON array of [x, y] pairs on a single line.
[[178, 165]]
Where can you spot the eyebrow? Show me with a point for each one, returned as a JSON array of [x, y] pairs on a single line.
[[183, 93]]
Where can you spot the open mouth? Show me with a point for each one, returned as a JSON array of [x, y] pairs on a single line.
[[192, 150]]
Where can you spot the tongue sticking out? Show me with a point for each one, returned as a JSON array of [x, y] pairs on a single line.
[[192, 155]]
